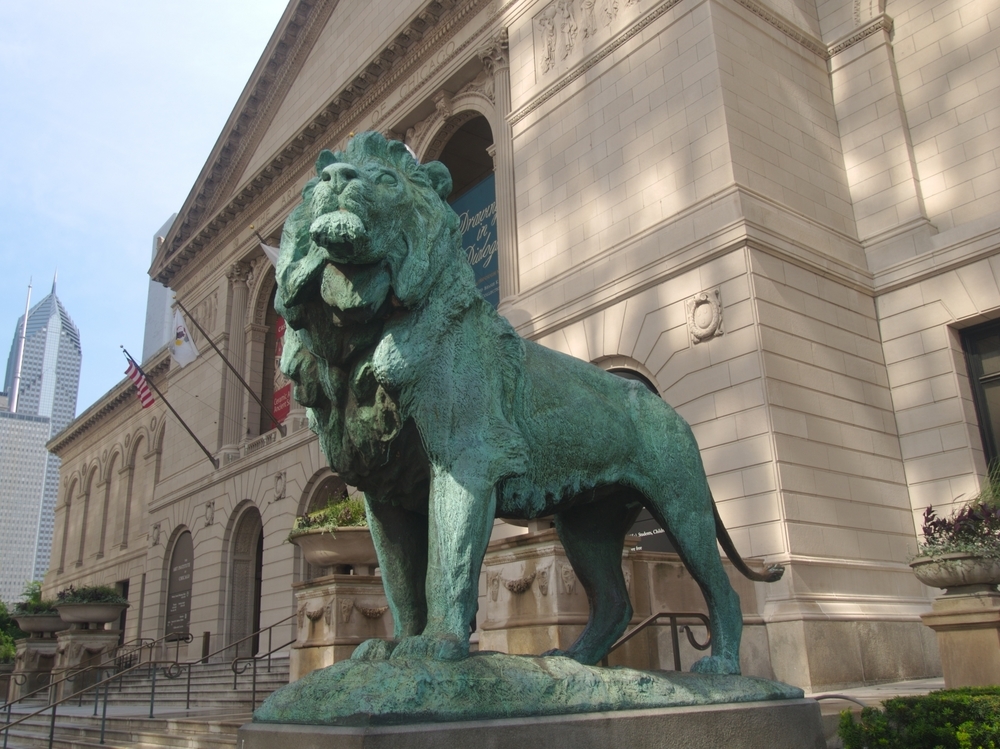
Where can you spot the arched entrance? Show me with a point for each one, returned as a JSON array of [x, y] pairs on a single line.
[[474, 198], [244, 580]]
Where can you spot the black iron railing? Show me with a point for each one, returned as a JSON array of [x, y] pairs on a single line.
[[674, 618]]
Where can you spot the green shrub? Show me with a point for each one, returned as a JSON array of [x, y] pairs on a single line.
[[32, 603], [346, 512], [8, 649], [90, 594], [967, 718]]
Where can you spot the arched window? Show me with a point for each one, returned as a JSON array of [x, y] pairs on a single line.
[[473, 196]]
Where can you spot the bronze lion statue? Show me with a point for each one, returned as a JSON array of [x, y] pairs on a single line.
[[427, 400]]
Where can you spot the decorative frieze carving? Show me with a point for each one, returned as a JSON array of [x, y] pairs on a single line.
[[209, 512], [493, 584], [521, 584], [568, 578]]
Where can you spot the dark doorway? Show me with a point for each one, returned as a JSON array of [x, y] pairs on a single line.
[[245, 582]]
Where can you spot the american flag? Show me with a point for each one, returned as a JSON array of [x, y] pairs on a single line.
[[141, 388]]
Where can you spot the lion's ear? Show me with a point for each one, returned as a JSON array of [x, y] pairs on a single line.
[[324, 160], [440, 178]]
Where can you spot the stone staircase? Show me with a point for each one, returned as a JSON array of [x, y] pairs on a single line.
[[216, 711]]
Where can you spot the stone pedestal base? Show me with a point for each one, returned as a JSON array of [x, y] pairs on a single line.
[[79, 649], [32, 665], [968, 635], [336, 613], [787, 724]]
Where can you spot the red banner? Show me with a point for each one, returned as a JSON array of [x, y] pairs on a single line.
[[282, 387]]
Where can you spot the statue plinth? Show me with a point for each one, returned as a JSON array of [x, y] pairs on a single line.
[[406, 702]]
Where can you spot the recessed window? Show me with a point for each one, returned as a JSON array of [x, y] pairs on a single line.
[[982, 351]]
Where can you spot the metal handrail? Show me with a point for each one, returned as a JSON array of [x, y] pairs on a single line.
[[673, 616], [171, 669], [5, 728], [176, 669], [247, 659], [72, 675]]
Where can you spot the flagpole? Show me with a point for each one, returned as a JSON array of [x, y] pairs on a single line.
[[281, 427], [150, 382]]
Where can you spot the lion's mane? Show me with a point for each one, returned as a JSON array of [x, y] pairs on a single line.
[[329, 346]]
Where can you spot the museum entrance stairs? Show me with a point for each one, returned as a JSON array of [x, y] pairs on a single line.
[[207, 717]]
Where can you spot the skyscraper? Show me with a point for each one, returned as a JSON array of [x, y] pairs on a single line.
[[29, 475]]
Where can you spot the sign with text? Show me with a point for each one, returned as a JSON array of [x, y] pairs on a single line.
[[179, 586], [477, 211]]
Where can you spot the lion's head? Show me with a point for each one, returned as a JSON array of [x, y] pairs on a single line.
[[372, 223], [372, 236]]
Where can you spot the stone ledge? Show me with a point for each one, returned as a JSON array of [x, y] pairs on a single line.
[[787, 724]]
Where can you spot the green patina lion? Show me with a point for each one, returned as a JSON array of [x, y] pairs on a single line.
[[427, 400]]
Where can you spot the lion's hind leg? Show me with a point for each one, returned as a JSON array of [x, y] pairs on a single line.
[[593, 535], [682, 505]]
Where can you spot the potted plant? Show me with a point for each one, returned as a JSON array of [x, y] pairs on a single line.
[[961, 553], [36, 616], [93, 604], [335, 534]]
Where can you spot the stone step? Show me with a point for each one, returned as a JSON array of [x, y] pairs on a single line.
[[79, 732]]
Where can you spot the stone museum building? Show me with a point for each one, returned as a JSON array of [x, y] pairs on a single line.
[[781, 215]]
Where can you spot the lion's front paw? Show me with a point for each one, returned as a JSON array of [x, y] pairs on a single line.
[[373, 650], [714, 664], [442, 648]]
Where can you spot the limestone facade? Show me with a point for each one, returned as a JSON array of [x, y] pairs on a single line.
[[781, 213]]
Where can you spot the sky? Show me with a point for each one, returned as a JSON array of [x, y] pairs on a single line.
[[108, 111]]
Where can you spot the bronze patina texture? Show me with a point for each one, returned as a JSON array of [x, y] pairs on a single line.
[[427, 400]]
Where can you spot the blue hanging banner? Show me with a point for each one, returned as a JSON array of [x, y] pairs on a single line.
[[477, 211]]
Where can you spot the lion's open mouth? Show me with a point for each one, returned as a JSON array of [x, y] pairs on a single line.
[[344, 236]]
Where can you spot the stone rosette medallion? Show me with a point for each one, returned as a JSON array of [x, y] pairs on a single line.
[[488, 686]]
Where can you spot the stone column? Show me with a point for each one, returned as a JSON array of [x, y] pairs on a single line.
[[233, 428], [496, 61]]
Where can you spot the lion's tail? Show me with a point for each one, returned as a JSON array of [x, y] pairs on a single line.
[[772, 574]]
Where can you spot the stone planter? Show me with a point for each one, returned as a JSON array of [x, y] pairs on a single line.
[[90, 613], [957, 572], [40, 625], [341, 547]]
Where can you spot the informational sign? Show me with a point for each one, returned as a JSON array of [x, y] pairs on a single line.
[[179, 586], [282, 402], [651, 535], [477, 211]]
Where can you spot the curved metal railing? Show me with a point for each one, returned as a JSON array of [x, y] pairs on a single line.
[[675, 629]]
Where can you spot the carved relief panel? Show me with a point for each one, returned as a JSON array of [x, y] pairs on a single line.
[[566, 31]]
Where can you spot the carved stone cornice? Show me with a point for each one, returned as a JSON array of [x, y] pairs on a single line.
[[424, 33], [122, 393], [881, 23]]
